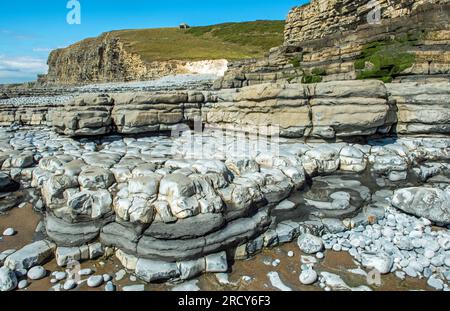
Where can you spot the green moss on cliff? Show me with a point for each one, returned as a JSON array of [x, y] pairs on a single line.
[[384, 60]]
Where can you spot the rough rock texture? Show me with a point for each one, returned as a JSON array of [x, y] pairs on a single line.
[[107, 59], [323, 110], [422, 108], [88, 115], [433, 204], [329, 36]]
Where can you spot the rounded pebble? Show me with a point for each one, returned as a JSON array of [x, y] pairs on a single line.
[[37, 273]]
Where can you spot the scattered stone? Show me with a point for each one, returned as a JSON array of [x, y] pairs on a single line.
[[9, 232], [22, 284], [61, 275], [276, 282], [134, 288], [70, 284], [120, 275], [95, 281], [110, 287], [310, 244], [308, 277], [37, 273], [381, 262], [31, 255], [8, 279], [190, 286], [85, 272]]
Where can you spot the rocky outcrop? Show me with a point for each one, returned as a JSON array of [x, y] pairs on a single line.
[[106, 59], [430, 203], [337, 40], [88, 115], [340, 109], [422, 108], [325, 110]]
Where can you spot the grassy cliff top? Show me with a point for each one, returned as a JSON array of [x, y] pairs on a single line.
[[229, 41]]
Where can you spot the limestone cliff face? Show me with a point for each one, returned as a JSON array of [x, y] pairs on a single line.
[[330, 40], [105, 59], [322, 18]]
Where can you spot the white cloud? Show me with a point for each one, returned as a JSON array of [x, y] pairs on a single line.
[[13, 68], [42, 49]]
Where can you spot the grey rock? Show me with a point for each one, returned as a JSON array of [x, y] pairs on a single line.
[[188, 228], [70, 284], [435, 283], [22, 284], [433, 204], [152, 270], [216, 263], [134, 288], [110, 287], [310, 244], [37, 273], [31, 255], [381, 262], [68, 234], [8, 279], [95, 178], [9, 232], [85, 272], [95, 281], [61, 275], [308, 277]]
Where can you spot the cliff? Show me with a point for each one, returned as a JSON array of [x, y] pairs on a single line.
[[132, 55], [362, 39]]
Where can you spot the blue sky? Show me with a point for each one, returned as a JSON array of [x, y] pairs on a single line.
[[30, 29]]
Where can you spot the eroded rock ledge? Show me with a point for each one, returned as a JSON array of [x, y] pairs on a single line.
[[341, 109], [169, 215]]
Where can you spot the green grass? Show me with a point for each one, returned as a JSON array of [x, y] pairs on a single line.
[[307, 79], [230, 41], [387, 58]]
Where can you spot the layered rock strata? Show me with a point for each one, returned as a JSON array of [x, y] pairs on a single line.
[[346, 109], [171, 213], [326, 39]]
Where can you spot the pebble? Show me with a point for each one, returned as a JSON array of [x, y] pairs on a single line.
[[9, 232], [276, 282], [134, 288], [95, 281], [106, 278], [85, 272], [110, 287], [447, 261], [337, 247], [308, 277], [276, 262], [133, 278], [320, 255], [37, 273], [120, 275], [70, 284], [310, 244], [435, 283], [290, 254], [22, 284], [61, 275]]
